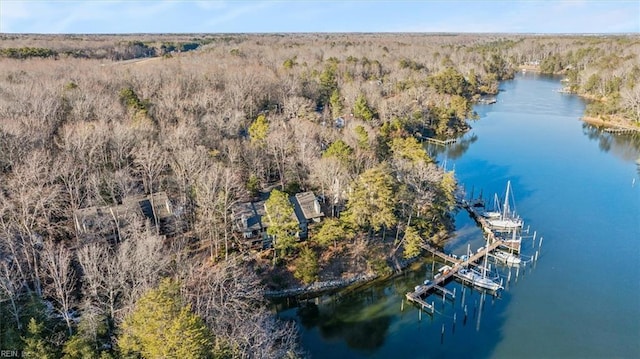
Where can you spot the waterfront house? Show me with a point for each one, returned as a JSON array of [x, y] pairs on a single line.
[[307, 209], [247, 217]]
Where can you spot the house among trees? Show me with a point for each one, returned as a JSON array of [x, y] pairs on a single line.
[[308, 204], [250, 217], [307, 208], [107, 220], [247, 217]]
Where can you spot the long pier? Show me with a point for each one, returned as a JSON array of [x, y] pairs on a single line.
[[441, 278], [441, 142], [620, 130], [486, 227]]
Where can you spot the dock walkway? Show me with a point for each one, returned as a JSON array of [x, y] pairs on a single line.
[[441, 142], [438, 282], [441, 278]]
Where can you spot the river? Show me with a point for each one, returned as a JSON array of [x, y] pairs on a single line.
[[577, 187]]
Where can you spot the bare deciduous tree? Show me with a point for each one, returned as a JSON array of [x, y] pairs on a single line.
[[60, 278], [142, 262], [280, 144], [11, 286], [631, 100], [229, 297], [151, 161]]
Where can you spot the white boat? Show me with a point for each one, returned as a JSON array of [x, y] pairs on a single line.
[[496, 213], [479, 279], [506, 257], [508, 219], [506, 223]]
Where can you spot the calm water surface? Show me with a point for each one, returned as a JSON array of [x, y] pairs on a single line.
[[577, 187]]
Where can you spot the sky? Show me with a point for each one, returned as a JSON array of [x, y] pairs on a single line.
[[269, 16]]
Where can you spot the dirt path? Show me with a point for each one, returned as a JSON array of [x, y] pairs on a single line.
[[132, 61]]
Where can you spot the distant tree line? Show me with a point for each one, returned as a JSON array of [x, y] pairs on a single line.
[[27, 52], [122, 50]]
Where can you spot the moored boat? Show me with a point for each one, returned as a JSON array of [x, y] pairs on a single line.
[[506, 257], [477, 279], [495, 213], [506, 224], [508, 220]]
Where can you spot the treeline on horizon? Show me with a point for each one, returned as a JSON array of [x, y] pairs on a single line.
[[221, 123], [600, 67]]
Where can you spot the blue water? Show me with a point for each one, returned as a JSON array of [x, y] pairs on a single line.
[[577, 187]]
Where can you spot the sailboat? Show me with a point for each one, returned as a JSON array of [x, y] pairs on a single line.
[[479, 279], [508, 220], [495, 213]]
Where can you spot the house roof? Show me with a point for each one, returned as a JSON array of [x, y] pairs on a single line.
[[90, 218], [309, 205], [248, 216]]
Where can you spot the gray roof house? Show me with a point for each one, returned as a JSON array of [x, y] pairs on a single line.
[[248, 219], [306, 208], [105, 220], [308, 204]]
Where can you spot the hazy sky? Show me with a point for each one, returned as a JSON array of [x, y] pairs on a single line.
[[170, 16]]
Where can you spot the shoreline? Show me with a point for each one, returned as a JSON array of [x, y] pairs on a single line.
[[317, 288], [529, 68], [613, 123]]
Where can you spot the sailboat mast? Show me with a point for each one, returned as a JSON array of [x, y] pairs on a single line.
[[505, 207], [484, 264]]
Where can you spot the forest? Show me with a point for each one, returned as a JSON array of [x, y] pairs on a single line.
[[124, 160]]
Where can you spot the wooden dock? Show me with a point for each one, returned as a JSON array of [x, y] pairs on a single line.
[[437, 284], [439, 280], [486, 227], [620, 130], [441, 142]]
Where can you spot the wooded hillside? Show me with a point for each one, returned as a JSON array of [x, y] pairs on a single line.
[[123, 160]]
